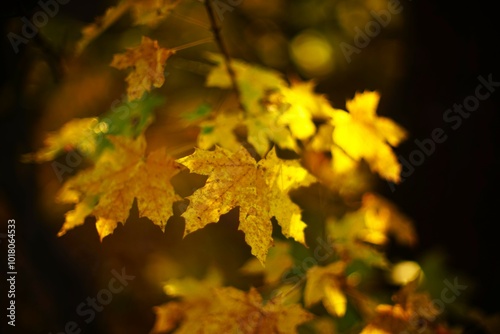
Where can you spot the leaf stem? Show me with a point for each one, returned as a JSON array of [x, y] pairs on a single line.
[[195, 43], [222, 47]]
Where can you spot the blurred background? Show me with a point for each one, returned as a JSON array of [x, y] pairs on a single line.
[[427, 58]]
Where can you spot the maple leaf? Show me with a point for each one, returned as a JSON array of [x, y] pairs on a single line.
[[345, 234], [263, 129], [79, 133], [361, 134], [412, 313], [148, 63], [107, 190], [274, 112], [89, 135], [220, 131], [383, 218], [254, 82], [341, 163], [357, 232], [229, 310], [325, 284], [260, 190], [301, 105]]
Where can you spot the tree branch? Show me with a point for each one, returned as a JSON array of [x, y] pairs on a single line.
[[222, 47]]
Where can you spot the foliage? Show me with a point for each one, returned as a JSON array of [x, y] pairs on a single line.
[[269, 143]]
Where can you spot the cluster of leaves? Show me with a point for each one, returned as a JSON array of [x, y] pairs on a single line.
[[241, 148]]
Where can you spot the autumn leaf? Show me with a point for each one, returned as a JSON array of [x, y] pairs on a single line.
[[255, 84], [260, 190], [220, 131], [275, 112], [253, 81], [358, 234], [148, 62], [300, 106], [383, 218], [108, 189], [364, 135], [88, 136], [229, 310], [412, 313], [77, 134], [325, 284], [345, 235], [263, 130]]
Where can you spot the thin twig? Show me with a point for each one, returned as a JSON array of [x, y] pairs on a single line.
[[188, 45], [220, 42], [191, 20]]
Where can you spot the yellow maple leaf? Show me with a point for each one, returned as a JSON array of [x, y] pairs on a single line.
[[301, 106], [383, 218], [325, 284], [341, 164], [260, 190], [254, 82], [220, 131], [413, 312], [359, 233], [274, 112], [263, 129], [362, 134], [77, 134], [229, 310], [107, 190], [148, 63]]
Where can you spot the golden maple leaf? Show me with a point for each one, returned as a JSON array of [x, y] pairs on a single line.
[[260, 190], [301, 105], [79, 133], [229, 310], [220, 131], [264, 129], [274, 112], [108, 189], [412, 313], [325, 284], [148, 63], [358, 233], [254, 82], [362, 134]]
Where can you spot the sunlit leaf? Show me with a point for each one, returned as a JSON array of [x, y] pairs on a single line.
[[325, 284], [108, 189], [229, 310], [364, 135], [260, 190], [147, 62]]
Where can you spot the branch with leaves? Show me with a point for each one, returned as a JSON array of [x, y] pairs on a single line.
[[278, 138]]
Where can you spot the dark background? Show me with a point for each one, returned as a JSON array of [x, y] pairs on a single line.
[[452, 197]]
